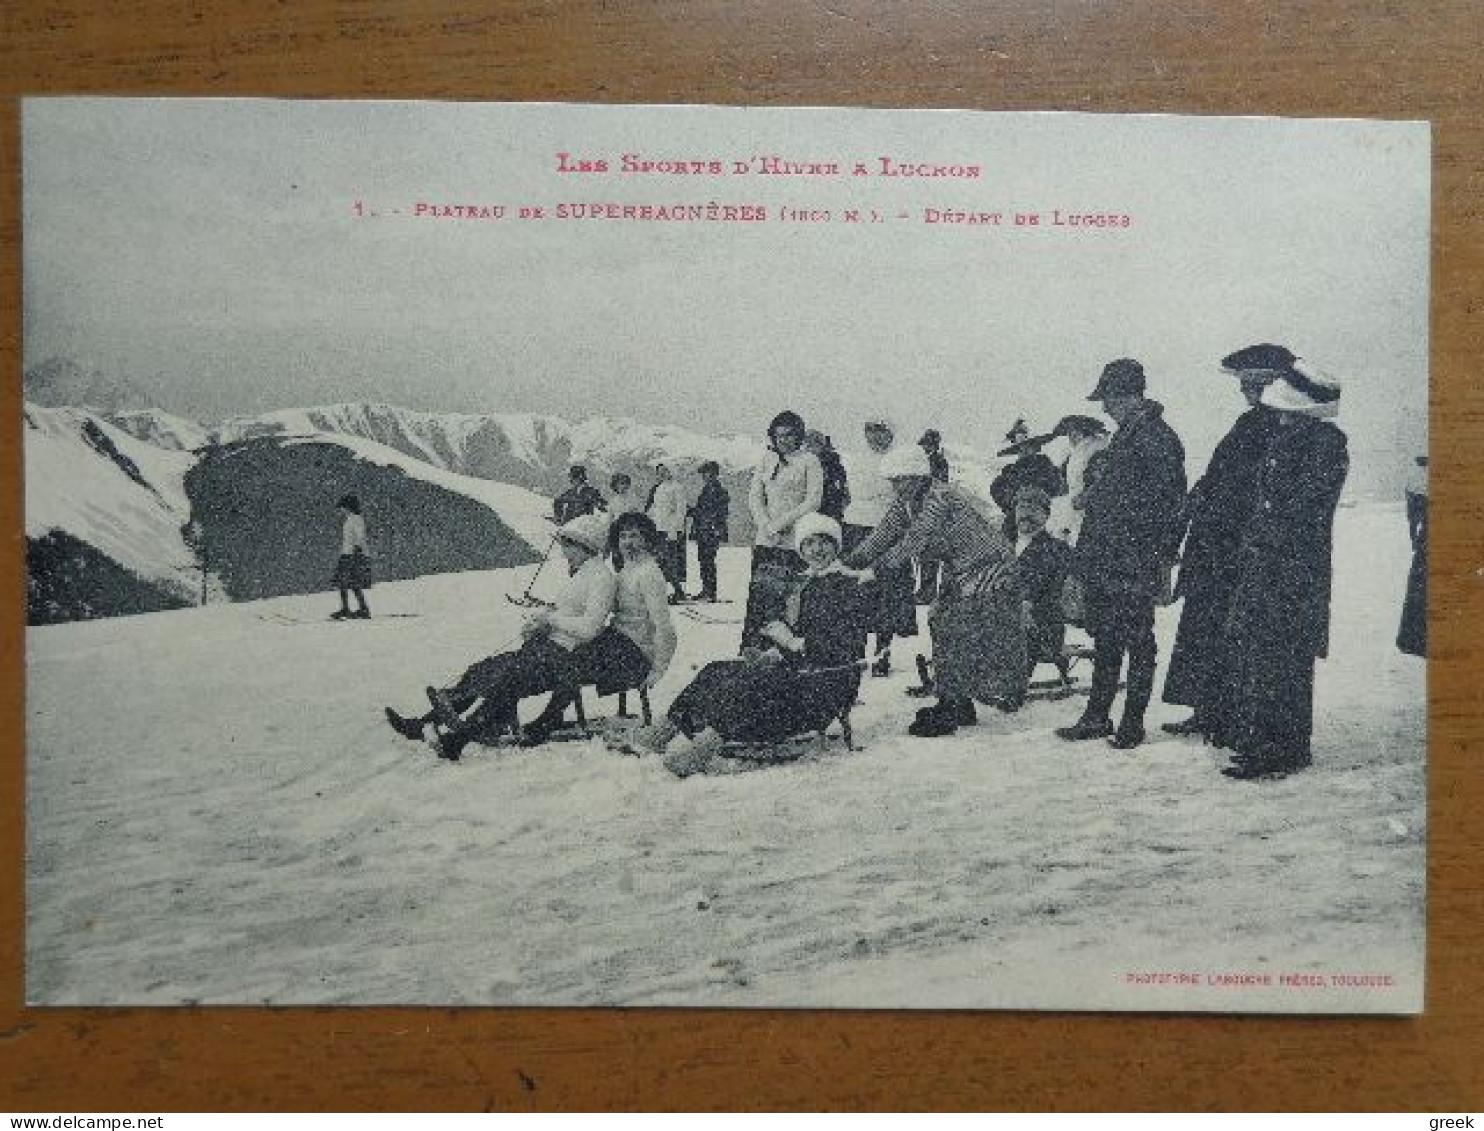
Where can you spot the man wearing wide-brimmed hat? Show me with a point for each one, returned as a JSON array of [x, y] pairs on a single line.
[[1220, 506], [1279, 619], [1130, 536]]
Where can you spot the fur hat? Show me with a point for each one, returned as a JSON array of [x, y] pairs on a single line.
[[1121, 378], [1304, 391], [904, 461], [588, 530], [812, 524], [880, 421]]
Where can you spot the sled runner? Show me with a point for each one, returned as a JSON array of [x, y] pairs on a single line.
[[286, 619], [526, 601], [690, 612]]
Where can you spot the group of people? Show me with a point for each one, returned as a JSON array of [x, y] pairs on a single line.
[[1094, 541], [705, 521]]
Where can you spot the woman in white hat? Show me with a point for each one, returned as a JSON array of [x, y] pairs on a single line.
[[544, 660], [975, 621], [1279, 619], [808, 674]]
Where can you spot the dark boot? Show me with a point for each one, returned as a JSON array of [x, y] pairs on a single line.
[[1193, 725], [450, 744], [1086, 728], [444, 708], [407, 728], [1128, 735]]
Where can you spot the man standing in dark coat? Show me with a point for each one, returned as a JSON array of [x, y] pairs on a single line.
[[1134, 518], [580, 498], [1279, 620], [1220, 506], [709, 525]]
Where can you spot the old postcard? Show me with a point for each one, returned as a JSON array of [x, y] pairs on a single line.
[[677, 555]]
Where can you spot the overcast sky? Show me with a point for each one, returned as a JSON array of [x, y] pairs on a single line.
[[209, 252]]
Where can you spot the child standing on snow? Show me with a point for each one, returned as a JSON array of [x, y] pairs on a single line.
[[353, 570]]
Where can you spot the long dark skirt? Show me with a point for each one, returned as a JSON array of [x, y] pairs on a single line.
[[1412, 636], [352, 571], [1268, 713], [751, 702], [979, 645], [1198, 660], [611, 662], [891, 597], [775, 570]]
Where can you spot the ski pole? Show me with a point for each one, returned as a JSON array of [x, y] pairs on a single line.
[[529, 585]]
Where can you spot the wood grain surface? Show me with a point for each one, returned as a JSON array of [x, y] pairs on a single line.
[[1352, 58]]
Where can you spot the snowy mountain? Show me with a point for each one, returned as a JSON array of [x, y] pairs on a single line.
[[103, 518], [59, 382], [106, 514], [526, 450]]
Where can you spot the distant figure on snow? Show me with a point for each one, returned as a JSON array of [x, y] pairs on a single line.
[[353, 569], [623, 500], [709, 523], [580, 498], [667, 507]]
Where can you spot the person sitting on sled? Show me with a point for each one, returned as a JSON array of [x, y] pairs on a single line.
[[1044, 562], [543, 662], [809, 673], [636, 648]]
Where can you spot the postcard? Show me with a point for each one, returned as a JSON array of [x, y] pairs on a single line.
[[520, 554]]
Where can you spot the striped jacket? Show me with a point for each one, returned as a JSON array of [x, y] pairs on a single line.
[[945, 525]]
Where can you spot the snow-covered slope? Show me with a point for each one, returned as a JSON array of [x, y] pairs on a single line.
[[231, 821], [122, 496]]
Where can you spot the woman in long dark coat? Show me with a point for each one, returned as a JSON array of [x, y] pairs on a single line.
[[804, 680], [1220, 506], [1279, 620]]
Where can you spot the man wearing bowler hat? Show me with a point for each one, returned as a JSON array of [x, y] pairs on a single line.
[[1130, 536]]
